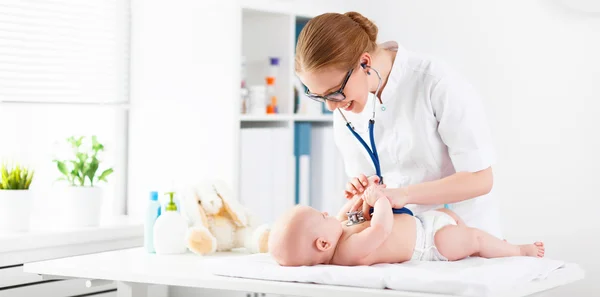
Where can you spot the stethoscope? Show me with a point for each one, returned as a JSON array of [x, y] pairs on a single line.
[[355, 217]]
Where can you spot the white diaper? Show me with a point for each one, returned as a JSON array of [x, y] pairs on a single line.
[[428, 223]]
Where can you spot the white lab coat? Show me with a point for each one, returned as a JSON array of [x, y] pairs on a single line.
[[434, 125]]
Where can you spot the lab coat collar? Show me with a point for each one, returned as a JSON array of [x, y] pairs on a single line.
[[397, 71]]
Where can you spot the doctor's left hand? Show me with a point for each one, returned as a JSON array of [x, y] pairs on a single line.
[[357, 185]]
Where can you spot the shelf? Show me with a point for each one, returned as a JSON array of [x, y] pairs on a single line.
[[266, 35], [267, 161], [313, 118], [285, 118], [264, 117]]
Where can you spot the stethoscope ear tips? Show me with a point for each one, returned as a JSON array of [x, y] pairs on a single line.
[[364, 66]]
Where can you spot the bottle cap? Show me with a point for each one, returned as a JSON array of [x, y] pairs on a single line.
[[171, 206], [274, 61], [154, 196]]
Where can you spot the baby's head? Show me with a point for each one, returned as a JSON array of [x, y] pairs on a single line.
[[303, 236]]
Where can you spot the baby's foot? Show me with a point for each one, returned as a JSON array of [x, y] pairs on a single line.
[[533, 250]]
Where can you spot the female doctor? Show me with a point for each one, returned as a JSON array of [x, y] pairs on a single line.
[[430, 141]]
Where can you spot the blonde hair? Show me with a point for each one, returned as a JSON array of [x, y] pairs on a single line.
[[334, 40]]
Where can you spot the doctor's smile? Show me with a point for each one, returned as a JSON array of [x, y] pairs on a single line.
[[347, 107]]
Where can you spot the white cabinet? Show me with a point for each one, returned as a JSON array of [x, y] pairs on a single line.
[[17, 249], [288, 157], [26, 285]]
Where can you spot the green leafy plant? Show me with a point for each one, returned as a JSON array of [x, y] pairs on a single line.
[[84, 166], [15, 177]]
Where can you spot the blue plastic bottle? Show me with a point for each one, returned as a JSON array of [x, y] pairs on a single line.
[[153, 210]]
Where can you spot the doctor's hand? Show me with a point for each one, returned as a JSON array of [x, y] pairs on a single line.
[[357, 185], [398, 197]]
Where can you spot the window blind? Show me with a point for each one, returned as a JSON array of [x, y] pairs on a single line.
[[65, 51]]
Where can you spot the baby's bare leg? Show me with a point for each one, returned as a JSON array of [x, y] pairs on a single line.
[[458, 242]]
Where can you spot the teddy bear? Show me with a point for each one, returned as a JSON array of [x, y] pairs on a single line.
[[219, 222]]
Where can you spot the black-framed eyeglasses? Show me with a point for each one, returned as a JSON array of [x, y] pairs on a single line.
[[336, 96]]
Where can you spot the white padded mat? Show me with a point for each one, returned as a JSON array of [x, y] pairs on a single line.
[[469, 277]]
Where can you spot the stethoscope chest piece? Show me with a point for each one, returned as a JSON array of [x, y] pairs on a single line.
[[355, 218]]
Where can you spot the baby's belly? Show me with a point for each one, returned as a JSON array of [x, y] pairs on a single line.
[[399, 246]]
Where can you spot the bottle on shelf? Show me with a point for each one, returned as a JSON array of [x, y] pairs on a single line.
[[244, 92], [272, 106], [258, 96]]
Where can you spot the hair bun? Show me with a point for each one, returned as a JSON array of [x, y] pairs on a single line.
[[369, 27]]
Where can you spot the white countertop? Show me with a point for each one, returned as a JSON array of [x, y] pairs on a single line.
[[114, 228], [50, 242]]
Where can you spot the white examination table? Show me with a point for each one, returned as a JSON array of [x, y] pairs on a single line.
[[133, 270]]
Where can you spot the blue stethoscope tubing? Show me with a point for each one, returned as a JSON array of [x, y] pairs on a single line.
[[375, 158], [373, 152]]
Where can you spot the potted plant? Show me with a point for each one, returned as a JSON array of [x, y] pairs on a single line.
[[15, 197], [81, 201]]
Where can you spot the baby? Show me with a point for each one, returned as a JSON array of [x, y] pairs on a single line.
[[304, 236]]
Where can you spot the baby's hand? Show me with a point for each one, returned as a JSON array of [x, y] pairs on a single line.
[[360, 204], [368, 199]]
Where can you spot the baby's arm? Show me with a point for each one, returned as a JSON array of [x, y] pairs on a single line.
[[364, 243]]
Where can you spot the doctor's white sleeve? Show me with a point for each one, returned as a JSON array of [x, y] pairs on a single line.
[[462, 124]]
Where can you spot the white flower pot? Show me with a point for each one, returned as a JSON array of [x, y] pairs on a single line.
[[80, 207], [15, 210]]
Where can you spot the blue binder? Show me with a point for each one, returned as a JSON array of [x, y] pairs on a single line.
[[302, 144]]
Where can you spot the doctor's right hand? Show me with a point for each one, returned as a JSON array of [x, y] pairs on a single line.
[[357, 185]]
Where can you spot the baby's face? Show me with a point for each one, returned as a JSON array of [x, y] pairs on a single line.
[[303, 235]]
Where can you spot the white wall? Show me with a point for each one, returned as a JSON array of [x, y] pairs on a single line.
[[537, 66], [182, 119]]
